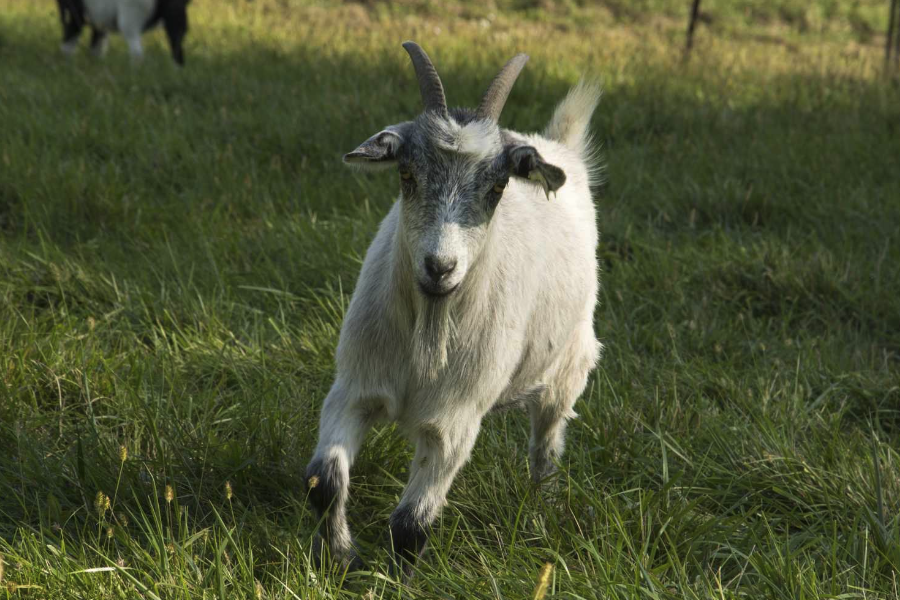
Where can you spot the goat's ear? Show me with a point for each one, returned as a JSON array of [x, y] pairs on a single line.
[[377, 152], [525, 162]]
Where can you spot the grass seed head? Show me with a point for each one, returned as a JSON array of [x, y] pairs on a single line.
[[101, 503], [228, 491], [170, 493], [543, 583], [123, 453]]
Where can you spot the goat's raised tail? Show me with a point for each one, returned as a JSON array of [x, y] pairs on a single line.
[[572, 118]]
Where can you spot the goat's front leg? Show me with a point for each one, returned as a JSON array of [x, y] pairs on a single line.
[[440, 452], [343, 424]]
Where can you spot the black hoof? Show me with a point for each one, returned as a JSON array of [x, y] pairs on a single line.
[[409, 538], [350, 561], [355, 563]]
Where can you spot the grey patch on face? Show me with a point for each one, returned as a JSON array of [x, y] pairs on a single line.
[[448, 199], [454, 165]]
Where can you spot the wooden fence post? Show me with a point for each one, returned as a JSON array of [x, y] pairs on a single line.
[[692, 23], [892, 43]]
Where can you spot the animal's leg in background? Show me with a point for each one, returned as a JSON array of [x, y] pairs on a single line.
[[342, 427], [71, 13], [135, 49], [176, 25], [440, 452], [99, 42], [131, 19], [551, 410]]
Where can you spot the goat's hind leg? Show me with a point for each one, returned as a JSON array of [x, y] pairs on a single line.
[[551, 409], [343, 425], [549, 417]]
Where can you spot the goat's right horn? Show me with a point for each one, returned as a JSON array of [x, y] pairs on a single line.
[[495, 97], [429, 83]]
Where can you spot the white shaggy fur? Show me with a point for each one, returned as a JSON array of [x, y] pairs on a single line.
[[519, 329], [477, 139]]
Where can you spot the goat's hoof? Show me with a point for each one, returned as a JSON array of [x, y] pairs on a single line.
[[344, 560], [548, 484], [400, 570], [544, 477], [403, 567], [350, 562]]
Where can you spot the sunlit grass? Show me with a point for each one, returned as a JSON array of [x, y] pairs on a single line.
[[177, 249]]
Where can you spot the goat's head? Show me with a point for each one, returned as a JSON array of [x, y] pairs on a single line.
[[453, 167]]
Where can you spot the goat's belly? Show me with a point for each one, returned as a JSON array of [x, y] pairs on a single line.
[[103, 14]]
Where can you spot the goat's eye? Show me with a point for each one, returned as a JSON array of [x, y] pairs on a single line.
[[405, 175], [499, 187]]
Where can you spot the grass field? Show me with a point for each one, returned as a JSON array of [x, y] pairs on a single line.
[[177, 249]]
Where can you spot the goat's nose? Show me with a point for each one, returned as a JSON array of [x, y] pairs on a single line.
[[438, 268]]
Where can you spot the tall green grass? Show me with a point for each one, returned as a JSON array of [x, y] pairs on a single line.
[[177, 249]]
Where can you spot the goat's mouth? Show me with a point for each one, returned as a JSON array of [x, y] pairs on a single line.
[[436, 292]]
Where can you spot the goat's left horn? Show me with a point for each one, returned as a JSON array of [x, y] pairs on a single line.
[[429, 82], [495, 97]]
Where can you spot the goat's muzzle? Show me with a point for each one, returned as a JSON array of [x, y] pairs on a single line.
[[438, 280]]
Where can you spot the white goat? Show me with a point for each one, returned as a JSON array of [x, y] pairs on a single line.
[[476, 292]]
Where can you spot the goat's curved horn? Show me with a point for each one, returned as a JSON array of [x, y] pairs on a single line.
[[429, 82], [495, 97]]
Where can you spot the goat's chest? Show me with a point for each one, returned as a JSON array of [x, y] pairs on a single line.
[[440, 381]]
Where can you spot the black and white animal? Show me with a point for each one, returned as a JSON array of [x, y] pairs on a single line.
[[129, 17], [478, 291]]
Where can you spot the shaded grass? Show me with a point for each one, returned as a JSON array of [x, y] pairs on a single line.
[[177, 249]]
